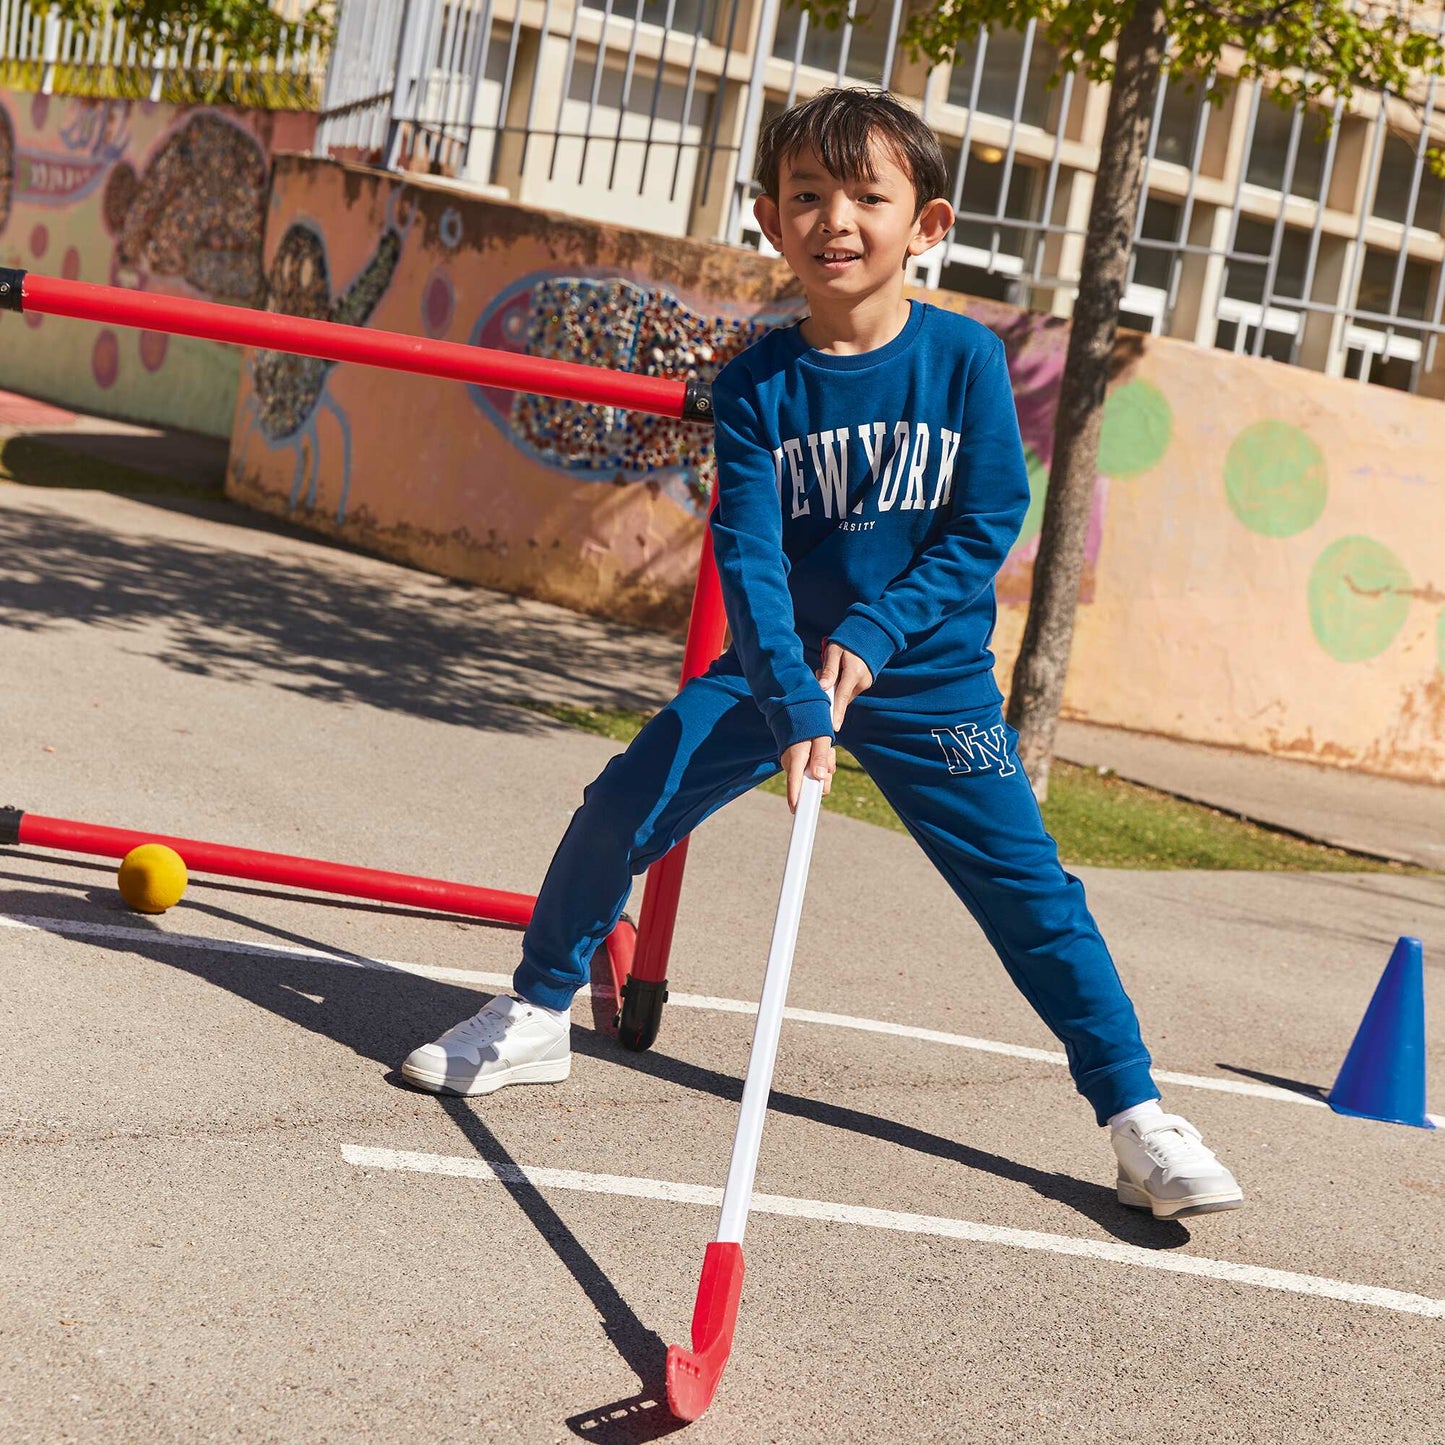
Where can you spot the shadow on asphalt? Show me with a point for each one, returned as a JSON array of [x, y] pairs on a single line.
[[431, 648], [644, 1351], [381, 1013], [1093, 1201], [1310, 1091]]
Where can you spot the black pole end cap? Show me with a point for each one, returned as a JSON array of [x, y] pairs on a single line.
[[10, 826], [641, 1014], [697, 401], [12, 289]]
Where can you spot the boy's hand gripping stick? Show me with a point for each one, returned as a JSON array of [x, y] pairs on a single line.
[[693, 1375]]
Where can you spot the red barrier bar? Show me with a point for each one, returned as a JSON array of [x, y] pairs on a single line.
[[334, 341], [34, 830]]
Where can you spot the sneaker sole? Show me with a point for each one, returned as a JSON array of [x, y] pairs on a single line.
[[549, 1072], [1133, 1197]]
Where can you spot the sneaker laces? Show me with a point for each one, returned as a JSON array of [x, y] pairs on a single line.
[[485, 1026], [1172, 1140]]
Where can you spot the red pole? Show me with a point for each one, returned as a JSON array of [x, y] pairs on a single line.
[[33, 830], [333, 341]]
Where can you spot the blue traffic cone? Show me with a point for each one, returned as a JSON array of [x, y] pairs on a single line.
[[1383, 1076]]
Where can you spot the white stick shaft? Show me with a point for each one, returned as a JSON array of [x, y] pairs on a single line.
[[738, 1193]]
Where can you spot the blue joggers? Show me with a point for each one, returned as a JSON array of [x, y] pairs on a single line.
[[954, 779]]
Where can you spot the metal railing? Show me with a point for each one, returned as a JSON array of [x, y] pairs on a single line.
[[43, 50], [648, 111]]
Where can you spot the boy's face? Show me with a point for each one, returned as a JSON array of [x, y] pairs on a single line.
[[847, 239]]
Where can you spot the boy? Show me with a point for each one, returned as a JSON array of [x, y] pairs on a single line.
[[871, 482]]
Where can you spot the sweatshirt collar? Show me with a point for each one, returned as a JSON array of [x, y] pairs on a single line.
[[860, 361]]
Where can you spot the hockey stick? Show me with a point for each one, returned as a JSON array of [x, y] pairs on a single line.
[[693, 1375]]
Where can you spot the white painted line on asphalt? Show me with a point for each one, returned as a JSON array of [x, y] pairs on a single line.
[[81, 928], [819, 1209], [85, 929]]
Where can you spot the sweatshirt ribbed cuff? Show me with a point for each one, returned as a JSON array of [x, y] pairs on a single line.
[[800, 721], [866, 639]]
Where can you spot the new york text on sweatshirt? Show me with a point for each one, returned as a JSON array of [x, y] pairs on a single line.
[[870, 499]]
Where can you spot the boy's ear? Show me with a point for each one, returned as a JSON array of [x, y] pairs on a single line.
[[765, 209], [931, 226]]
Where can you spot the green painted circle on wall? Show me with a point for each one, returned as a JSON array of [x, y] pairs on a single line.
[[1359, 593], [1038, 490], [1135, 433], [1274, 477]]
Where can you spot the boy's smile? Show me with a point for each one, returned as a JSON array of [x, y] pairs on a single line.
[[848, 241]]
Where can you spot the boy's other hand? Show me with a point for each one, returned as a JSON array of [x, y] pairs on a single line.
[[813, 757], [846, 675]]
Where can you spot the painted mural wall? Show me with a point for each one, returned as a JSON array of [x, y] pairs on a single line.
[[594, 507], [148, 196], [1266, 560], [1266, 557]]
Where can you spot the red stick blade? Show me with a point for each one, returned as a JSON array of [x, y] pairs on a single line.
[[693, 1375]]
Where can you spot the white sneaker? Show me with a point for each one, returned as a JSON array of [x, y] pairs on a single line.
[[507, 1042], [1164, 1167]]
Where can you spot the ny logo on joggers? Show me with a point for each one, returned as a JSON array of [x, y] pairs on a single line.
[[971, 749]]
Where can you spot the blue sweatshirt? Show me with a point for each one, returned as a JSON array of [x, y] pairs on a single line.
[[869, 500]]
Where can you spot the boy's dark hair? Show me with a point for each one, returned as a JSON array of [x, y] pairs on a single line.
[[840, 125]]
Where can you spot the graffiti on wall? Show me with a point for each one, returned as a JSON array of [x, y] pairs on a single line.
[[145, 196], [1359, 592], [1276, 482], [194, 211], [1136, 431], [7, 165], [611, 319], [289, 393]]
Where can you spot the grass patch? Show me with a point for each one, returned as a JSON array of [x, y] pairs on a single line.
[[34, 463], [1098, 819]]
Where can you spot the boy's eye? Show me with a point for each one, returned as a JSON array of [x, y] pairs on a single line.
[[805, 196]]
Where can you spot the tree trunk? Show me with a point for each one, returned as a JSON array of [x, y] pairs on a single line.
[[1043, 661]]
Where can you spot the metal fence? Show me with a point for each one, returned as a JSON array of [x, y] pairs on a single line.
[[1259, 233], [40, 49]]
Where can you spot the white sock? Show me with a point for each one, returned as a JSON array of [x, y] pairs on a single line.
[[1149, 1109], [562, 1015]]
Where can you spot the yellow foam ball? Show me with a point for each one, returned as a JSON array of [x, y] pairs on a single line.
[[152, 878]]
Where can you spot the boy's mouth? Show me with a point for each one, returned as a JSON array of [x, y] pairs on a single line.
[[837, 260]]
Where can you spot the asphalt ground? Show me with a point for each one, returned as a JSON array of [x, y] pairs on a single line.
[[226, 1219]]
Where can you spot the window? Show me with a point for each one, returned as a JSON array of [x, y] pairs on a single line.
[[1278, 345], [998, 84], [1161, 223], [1238, 337], [687, 15], [1392, 193], [982, 184], [1245, 281], [1180, 121], [823, 48], [1377, 284], [976, 281], [1138, 321], [1269, 149]]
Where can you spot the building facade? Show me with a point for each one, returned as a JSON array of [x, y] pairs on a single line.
[[1308, 237]]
